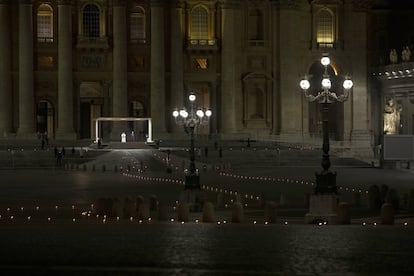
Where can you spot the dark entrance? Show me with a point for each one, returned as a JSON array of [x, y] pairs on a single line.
[[85, 120]]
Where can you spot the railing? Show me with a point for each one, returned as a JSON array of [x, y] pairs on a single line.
[[92, 42], [44, 39]]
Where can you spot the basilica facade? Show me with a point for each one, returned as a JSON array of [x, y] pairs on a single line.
[[65, 63]]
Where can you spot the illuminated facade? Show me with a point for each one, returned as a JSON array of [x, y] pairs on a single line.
[[65, 63]]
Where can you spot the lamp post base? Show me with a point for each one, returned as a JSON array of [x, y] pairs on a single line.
[[326, 182], [194, 198], [192, 194], [322, 208], [192, 181]]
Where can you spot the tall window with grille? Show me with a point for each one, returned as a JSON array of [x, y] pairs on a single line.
[[199, 24], [325, 26], [45, 23], [91, 21], [137, 25]]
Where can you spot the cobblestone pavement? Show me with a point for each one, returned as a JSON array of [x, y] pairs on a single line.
[[47, 230]]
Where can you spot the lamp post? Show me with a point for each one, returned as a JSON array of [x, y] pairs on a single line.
[[326, 179], [190, 120]]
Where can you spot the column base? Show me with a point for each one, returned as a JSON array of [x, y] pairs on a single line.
[[23, 134], [65, 135], [322, 208]]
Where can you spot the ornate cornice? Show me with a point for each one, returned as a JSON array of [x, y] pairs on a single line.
[[119, 3], [25, 2], [177, 4], [156, 3], [289, 4], [230, 4], [64, 2], [363, 4]]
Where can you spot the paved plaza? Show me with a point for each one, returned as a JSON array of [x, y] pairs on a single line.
[[49, 226]]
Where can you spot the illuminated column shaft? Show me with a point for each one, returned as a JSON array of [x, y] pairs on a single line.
[[5, 66], [26, 96], [157, 67], [177, 38], [228, 77], [65, 128], [120, 93]]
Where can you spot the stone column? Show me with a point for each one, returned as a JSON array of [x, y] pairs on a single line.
[[26, 95], [295, 34], [158, 112], [6, 116], [177, 38], [120, 72], [213, 107], [228, 74], [65, 120], [275, 61], [360, 133]]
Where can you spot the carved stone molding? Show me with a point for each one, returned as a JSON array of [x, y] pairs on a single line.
[[25, 2], [363, 4], [177, 4], [157, 3], [64, 2], [119, 2], [230, 4]]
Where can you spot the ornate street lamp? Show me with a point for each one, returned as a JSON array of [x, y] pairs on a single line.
[[326, 179], [190, 120]]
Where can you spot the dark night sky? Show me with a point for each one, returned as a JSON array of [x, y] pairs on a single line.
[[394, 4]]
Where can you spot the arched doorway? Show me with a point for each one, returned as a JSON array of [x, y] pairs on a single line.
[[45, 118], [336, 109]]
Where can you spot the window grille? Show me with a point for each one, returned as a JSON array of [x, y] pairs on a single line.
[[137, 26], [91, 21], [44, 23], [325, 27], [199, 23]]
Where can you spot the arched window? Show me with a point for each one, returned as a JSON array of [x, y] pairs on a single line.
[[137, 25], [199, 23], [91, 21], [255, 25], [325, 27], [44, 23]]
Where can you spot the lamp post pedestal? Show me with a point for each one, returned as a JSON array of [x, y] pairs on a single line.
[[192, 181], [194, 198], [322, 208]]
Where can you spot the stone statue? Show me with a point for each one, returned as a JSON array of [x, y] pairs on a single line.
[[393, 56], [406, 54], [391, 117]]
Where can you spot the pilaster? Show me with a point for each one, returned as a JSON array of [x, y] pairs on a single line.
[[157, 82], [26, 95], [228, 67], [120, 91], [5, 70], [65, 129], [177, 68]]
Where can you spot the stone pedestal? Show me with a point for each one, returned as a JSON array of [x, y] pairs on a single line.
[[322, 207]]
